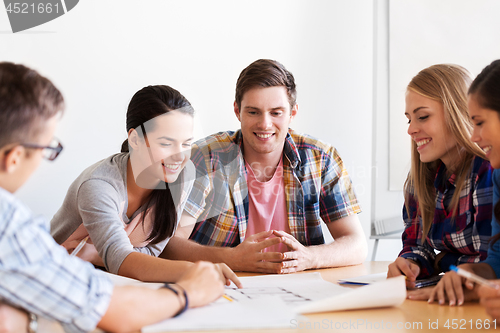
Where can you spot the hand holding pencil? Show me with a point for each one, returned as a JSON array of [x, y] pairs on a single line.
[[405, 267], [451, 286], [80, 246]]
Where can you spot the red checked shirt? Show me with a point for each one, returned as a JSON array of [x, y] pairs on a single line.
[[463, 238]]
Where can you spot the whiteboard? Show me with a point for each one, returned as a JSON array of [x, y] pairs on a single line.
[[427, 32]]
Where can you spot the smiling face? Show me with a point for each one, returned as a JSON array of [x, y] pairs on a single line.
[[265, 116], [165, 152], [486, 130], [427, 128]]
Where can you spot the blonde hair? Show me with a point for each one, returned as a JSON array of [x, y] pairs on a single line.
[[447, 84]]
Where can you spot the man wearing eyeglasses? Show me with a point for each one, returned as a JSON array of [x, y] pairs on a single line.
[[49, 152]]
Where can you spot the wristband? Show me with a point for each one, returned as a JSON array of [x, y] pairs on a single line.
[[33, 323], [186, 303]]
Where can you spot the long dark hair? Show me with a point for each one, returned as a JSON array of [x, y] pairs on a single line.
[[146, 104], [486, 90]]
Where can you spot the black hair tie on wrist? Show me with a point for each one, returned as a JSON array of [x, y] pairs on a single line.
[[186, 303]]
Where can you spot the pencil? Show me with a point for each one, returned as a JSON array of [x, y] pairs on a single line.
[[477, 279], [79, 247], [228, 298]]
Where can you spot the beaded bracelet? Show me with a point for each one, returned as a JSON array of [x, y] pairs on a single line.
[[166, 285]]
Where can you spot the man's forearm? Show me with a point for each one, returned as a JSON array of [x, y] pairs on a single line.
[[131, 308], [12, 319], [344, 251]]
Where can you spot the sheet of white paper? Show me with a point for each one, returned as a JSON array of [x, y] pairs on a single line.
[[273, 301], [224, 315], [265, 301], [365, 279], [390, 292], [293, 289]]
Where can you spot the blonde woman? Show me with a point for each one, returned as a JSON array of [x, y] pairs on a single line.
[[449, 191]]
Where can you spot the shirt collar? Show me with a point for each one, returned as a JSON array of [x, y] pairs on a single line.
[[442, 182], [291, 152]]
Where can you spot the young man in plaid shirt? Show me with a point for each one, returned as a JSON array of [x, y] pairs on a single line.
[[262, 191]]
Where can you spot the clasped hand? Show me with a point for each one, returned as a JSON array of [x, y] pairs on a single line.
[[249, 255]]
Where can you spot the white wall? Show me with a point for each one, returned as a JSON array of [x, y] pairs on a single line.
[[463, 32], [101, 52], [385, 203], [418, 34]]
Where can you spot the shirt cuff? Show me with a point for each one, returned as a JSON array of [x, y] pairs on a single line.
[[449, 259], [426, 267], [100, 292]]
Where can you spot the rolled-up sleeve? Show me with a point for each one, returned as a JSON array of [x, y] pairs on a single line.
[[202, 185], [337, 198], [98, 207], [412, 244]]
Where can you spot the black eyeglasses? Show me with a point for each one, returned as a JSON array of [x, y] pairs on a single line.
[[49, 152]]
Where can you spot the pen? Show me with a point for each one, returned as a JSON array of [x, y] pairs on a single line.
[[79, 247], [473, 277]]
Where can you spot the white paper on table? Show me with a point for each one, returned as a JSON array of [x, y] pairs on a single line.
[[266, 313], [390, 292], [265, 301], [365, 279], [293, 289], [273, 301]]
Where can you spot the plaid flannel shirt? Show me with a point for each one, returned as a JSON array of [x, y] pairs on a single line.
[[317, 187], [463, 238], [38, 275]]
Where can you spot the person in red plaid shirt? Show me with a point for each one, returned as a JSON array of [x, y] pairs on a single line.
[[484, 109], [449, 190]]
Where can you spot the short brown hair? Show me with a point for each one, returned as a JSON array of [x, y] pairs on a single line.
[[27, 100], [265, 73]]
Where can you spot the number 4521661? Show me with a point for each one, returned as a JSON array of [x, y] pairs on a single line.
[[462, 324], [25, 8]]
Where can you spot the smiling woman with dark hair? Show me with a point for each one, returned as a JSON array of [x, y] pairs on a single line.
[[120, 213]]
